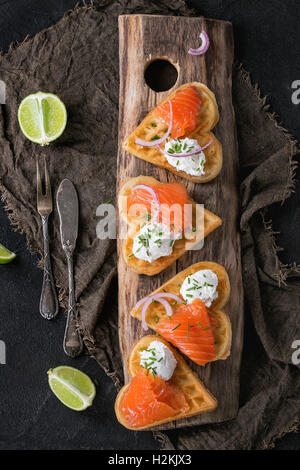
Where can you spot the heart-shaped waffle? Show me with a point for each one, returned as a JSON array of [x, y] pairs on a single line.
[[220, 321], [198, 398], [211, 222], [153, 126]]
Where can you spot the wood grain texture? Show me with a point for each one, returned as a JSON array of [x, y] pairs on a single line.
[[143, 38]]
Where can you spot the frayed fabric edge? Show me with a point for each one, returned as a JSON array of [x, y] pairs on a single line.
[[291, 428], [284, 270], [290, 139], [80, 5]]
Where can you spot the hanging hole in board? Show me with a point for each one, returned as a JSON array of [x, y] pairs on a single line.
[[160, 75]]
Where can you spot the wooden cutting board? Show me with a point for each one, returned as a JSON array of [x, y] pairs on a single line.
[[142, 39]]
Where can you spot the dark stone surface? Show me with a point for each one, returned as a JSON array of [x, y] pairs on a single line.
[[267, 42]]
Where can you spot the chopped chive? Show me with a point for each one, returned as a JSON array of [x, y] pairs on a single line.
[[156, 320], [176, 327], [155, 138], [130, 256], [204, 329], [152, 124]]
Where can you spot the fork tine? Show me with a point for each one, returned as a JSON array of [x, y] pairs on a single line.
[[47, 181], [38, 181]]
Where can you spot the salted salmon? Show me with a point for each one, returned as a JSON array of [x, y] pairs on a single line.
[[170, 195], [185, 105], [149, 399], [190, 330]]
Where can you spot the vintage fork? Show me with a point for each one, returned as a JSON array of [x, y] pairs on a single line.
[[48, 301]]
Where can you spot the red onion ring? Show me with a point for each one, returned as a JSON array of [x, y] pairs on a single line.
[[159, 294], [153, 194], [190, 154], [145, 143], [159, 297], [204, 45]]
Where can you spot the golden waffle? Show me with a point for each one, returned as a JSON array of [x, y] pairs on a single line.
[[221, 322], [207, 119], [200, 400], [211, 222]]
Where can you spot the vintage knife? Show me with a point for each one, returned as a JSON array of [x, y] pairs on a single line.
[[67, 205]]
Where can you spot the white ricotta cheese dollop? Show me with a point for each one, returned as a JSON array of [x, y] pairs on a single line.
[[153, 241], [200, 285], [158, 359], [191, 165]]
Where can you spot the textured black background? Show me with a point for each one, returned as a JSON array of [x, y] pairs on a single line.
[[267, 42]]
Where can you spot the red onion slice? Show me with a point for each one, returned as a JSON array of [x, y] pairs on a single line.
[[159, 294], [159, 297], [153, 193], [145, 143], [204, 45], [190, 154]]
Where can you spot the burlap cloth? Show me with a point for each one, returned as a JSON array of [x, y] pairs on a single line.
[[78, 59]]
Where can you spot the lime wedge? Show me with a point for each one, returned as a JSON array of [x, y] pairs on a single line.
[[72, 387], [42, 117], [6, 256]]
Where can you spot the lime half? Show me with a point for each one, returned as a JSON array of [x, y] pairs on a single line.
[[42, 117], [72, 387], [6, 256]]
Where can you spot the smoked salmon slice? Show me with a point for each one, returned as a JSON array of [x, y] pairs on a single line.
[[170, 195], [190, 330], [185, 104], [149, 399]]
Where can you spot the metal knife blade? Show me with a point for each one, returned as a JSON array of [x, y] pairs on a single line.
[[67, 205]]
